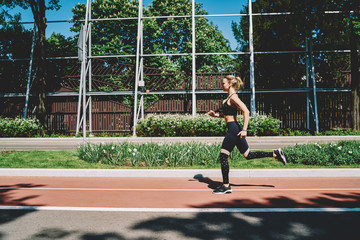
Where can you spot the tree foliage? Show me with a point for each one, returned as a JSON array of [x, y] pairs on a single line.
[[288, 33], [15, 43], [38, 8], [161, 35]]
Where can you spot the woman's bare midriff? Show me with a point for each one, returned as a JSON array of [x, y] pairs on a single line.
[[230, 118]]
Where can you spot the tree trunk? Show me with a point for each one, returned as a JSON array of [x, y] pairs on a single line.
[[41, 81], [355, 81], [38, 8]]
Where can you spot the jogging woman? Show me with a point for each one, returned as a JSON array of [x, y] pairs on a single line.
[[236, 133]]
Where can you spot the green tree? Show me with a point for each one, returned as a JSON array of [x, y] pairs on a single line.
[[161, 35], [38, 8], [288, 33], [327, 32], [15, 43], [354, 24], [58, 45]]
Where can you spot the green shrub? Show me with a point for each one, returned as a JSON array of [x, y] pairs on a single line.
[[19, 127], [202, 125], [151, 154], [339, 132], [332, 154], [200, 154], [295, 132]]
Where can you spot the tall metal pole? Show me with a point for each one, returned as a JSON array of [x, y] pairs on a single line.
[[193, 61], [307, 83], [137, 73], [84, 63], [90, 74], [30, 69], [314, 87], [142, 83], [310, 68], [84, 86], [81, 81], [252, 63]]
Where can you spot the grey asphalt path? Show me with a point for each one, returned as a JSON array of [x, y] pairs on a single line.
[[92, 225], [255, 143]]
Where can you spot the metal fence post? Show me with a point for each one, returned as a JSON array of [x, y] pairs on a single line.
[[137, 68], [193, 60], [28, 85], [252, 63]]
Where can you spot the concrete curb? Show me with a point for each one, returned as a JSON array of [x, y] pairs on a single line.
[[181, 173], [255, 143]]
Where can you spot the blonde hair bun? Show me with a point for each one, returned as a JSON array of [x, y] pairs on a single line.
[[235, 82]]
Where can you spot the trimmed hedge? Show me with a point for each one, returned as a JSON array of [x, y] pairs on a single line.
[[202, 125], [19, 127], [332, 154], [190, 154]]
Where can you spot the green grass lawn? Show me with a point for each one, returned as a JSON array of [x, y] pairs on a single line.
[[70, 160]]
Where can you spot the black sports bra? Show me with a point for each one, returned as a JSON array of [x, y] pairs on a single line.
[[229, 110]]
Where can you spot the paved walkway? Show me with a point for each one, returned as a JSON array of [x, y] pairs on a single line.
[[255, 143]]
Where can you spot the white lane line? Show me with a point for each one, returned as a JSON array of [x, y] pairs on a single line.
[[179, 189], [195, 210]]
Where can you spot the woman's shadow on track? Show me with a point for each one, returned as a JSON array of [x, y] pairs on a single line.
[[214, 184]]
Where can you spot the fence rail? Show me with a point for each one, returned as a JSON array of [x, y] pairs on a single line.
[[114, 116]]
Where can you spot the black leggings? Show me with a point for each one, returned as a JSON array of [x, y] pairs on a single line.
[[230, 141]]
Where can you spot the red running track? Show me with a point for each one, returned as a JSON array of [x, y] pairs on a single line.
[[179, 192]]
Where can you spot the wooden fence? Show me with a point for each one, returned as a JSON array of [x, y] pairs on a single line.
[[114, 116]]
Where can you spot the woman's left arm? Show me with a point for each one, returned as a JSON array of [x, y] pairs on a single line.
[[240, 105]]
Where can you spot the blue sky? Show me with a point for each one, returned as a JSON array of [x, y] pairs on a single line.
[[211, 6]]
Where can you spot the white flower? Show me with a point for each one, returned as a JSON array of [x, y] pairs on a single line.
[[340, 147], [133, 154], [104, 151], [350, 152], [112, 148], [135, 150], [129, 150]]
